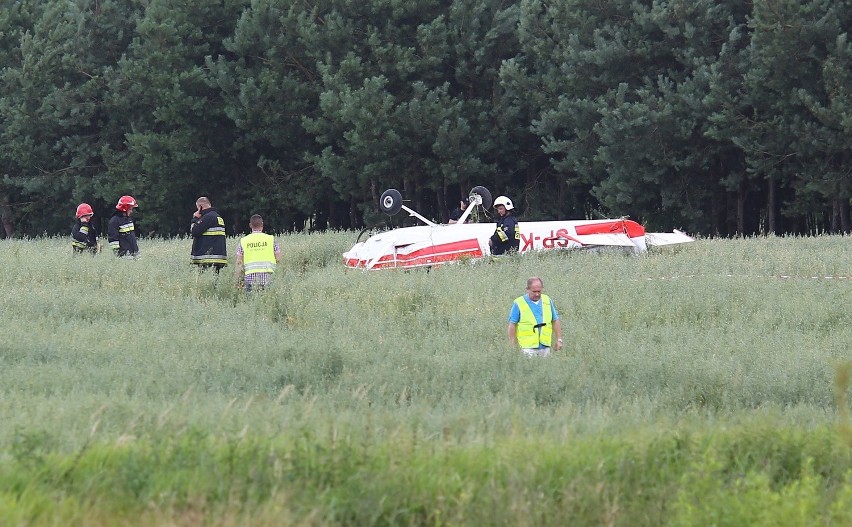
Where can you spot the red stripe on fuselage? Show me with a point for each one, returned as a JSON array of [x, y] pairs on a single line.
[[429, 255], [629, 227]]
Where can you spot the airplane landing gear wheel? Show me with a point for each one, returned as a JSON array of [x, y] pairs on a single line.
[[391, 201], [483, 193]]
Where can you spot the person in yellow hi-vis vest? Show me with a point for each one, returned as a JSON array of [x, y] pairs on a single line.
[[534, 322], [257, 256]]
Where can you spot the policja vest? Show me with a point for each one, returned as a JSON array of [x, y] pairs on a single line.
[[530, 332], [258, 253]]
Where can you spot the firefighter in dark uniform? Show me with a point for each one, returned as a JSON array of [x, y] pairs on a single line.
[[208, 237], [507, 236], [121, 231], [456, 215], [84, 237]]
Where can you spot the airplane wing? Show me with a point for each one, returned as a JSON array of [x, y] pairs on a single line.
[[667, 238], [609, 240]]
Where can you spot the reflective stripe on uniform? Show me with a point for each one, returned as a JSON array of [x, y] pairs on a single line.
[[214, 231], [209, 259], [259, 267]]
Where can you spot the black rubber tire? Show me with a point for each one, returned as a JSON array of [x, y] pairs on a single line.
[[484, 193], [391, 201]]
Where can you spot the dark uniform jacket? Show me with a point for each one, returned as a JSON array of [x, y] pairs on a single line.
[[208, 239], [121, 233], [84, 238], [507, 236], [457, 214]]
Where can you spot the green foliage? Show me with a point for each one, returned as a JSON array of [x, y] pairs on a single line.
[[718, 117], [346, 478], [178, 141], [53, 110]]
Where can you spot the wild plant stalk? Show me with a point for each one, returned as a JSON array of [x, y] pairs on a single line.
[[729, 327], [105, 353]]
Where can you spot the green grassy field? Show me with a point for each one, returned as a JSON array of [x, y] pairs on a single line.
[[705, 384]]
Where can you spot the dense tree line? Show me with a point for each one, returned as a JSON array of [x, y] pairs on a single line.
[[720, 117]]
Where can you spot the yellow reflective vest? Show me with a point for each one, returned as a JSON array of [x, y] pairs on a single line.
[[258, 253], [530, 336]]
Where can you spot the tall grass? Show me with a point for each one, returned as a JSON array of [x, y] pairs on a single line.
[[105, 360]]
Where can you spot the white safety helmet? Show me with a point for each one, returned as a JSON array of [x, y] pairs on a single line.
[[506, 202]]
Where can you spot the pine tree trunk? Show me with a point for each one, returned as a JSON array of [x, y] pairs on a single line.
[[374, 191], [717, 213], [771, 217], [418, 196], [840, 221], [834, 224], [333, 222], [6, 217], [741, 200], [443, 215]]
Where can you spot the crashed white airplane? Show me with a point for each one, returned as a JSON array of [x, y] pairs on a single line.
[[434, 244]]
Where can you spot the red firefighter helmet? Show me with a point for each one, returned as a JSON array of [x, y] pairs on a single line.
[[84, 209], [126, 203]]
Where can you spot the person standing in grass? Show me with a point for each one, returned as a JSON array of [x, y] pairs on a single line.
[[507, 236], [257, 256], [84, 238], [208, 237], [121, 230], [456, 215], [534, 322]]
